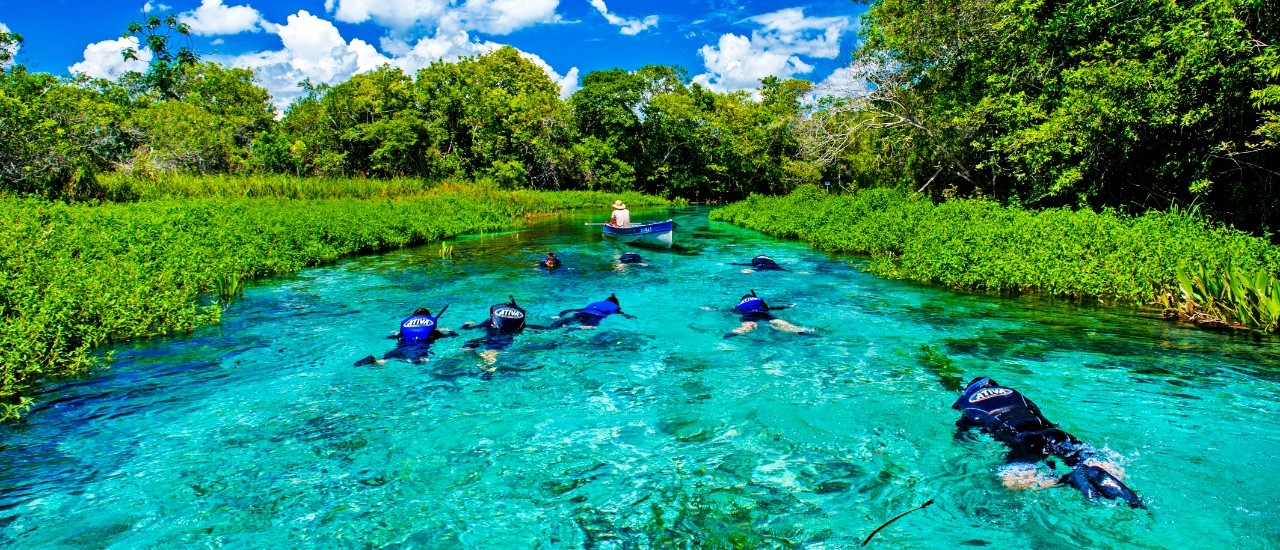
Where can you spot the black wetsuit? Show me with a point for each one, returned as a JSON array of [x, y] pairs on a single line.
[[417, 333], [764, 263], [504, 322], [1015, 421]]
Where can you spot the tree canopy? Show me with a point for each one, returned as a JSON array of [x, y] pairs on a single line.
[[1138, 104], [1135, 105]]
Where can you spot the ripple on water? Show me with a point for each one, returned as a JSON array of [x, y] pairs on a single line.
[[643, 433]]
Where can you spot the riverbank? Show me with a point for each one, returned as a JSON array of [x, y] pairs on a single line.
[[76, 277], [1168, 258]]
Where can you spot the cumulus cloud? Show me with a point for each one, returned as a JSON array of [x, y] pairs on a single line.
[[404, 17], [628, 27], [215, 18], [776, 48], [150, 7], [104, 59], [314, 49]]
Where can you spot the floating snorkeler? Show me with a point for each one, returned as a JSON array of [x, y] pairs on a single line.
[[505, 321], [762, 263], [590, 316], [1015, 421], [628, 258], [753, 310], [550, 262], [417, 333]]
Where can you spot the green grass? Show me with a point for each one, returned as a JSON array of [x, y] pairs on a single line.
[[979, 245], [76, 277]]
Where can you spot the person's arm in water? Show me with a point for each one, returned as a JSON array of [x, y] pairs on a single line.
[[472, 325], [624, 314]]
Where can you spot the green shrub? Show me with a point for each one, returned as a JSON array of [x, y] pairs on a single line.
[[979, 245]]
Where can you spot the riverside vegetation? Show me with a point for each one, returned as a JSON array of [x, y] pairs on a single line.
[[74, 277], [1191, 267]]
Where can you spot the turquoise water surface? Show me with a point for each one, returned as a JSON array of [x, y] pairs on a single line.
[[654, 432]]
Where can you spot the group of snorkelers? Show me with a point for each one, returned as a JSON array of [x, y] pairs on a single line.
[[420, 330], [1035, 445]]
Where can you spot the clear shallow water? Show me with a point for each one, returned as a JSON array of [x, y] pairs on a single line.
[[653, 432]]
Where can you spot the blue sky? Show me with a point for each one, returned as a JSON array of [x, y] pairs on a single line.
[[724, 44]]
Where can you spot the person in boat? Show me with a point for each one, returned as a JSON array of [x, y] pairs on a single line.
[[550, 262], [753, 310], [762, 263], [621, 217], [505, 321], [1016, 422], [417, 333], [591, 315]]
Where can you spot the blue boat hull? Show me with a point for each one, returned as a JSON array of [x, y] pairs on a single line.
[[656, 234]]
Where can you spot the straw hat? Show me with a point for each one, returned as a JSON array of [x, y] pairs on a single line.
[[617, 205]]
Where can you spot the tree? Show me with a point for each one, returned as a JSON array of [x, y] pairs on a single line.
[[207, 123], [9, 43], [166, 65], [1082, 102], [54, 136]]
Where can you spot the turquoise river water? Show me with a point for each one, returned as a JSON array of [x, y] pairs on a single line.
[[653, 432]]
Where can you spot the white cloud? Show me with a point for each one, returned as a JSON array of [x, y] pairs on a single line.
[[412, 17], [104, 59], [13, 50], [628, 27], [314, 49], [149, 7], [450, 47], [214, 18], [567, 83], [738, 62]]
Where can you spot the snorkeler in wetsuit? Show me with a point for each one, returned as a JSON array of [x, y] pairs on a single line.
[[550, 262], [762, 263], [752, 309], [591, 315], [417, 333], [1015, 421], [628, 258], [505, 321]]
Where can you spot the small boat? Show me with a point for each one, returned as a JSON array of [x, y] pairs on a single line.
[[655, 234]]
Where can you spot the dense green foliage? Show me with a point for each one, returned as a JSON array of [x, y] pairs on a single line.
[[980, 245], [1081, 103], [74, 277], [496, 117]]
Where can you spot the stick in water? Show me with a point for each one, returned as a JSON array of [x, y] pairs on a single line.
[[589, 223], [895, 518]]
